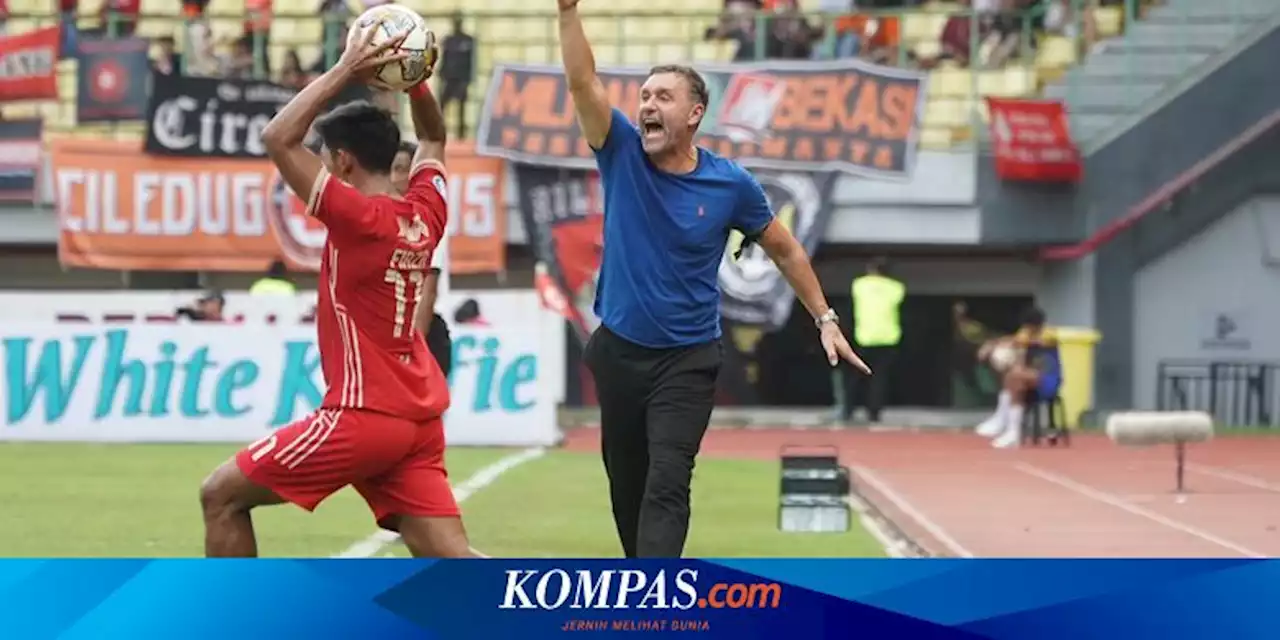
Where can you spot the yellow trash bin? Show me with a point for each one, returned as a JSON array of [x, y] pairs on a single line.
[[1076, 347]]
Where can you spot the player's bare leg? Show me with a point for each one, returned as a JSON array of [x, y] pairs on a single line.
[[434, 537], [227, 497], [1019, 381]]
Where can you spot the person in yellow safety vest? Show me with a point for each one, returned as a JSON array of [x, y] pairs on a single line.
[[877, 331], [274, 283]]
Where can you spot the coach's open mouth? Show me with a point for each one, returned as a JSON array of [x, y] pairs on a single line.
[[652, 129]]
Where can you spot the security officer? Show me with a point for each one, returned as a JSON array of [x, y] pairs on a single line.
[[877, 331], [274, 283]]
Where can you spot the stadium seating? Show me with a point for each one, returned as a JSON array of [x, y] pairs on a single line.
[[624, 32]]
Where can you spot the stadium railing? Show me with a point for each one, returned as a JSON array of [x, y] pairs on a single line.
[[1237, 394], [954, 114]]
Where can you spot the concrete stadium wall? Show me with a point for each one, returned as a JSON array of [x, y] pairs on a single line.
[[1231, 269]]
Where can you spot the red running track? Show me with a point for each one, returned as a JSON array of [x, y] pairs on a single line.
[[956, 496]]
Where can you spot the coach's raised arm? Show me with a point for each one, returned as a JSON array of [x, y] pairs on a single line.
[[589, 97]]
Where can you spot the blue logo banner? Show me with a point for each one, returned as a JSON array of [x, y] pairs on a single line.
[[112, 80], [740, 599]]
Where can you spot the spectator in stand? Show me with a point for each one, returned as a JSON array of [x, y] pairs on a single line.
[[194, 9], [956, 42], [457, 71], [67, 24], [738, 25], [291, 73], [208, 308], [335, 14], [257, 27], [791, 36], [120, 17], [201, 58], [1005, 31], [239, 63], [4, 16], [167, 61]]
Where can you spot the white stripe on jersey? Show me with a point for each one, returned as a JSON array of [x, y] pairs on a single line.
[[352, 394]]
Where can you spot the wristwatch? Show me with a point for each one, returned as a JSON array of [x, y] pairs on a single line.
[[829, 316]]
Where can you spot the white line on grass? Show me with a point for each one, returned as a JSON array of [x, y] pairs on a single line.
[[1119, 503], [910, 511], [381, 538], [873, 526]]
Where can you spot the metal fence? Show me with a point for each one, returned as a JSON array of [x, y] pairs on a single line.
[[1236, 394]]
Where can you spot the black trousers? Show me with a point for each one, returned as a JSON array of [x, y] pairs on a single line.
[[440, 343], [654, 408], [880, 359]]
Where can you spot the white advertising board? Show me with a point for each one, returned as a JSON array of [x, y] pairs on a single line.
[[184, 382]]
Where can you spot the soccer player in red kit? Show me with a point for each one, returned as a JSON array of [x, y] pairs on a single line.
[[378, 427]]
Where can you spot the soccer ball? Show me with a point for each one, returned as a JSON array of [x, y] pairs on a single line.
[[392, 21], [1003, 357]]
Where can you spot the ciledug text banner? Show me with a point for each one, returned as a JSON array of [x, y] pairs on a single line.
[[774, 599]]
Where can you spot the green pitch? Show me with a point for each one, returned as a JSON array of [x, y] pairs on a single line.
[[81, 500]]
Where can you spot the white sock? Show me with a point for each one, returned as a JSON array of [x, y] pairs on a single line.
[[995, 424], [1015, 416]]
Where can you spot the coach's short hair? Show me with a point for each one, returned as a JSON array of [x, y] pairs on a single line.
[[367, 132], [697, 85]]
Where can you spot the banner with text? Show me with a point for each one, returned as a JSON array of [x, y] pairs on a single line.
[[30, 65], [118, 209], [563, 213], [112, 79], [1031, 141], [214, 382], [21, 156], [219, 118], [845, 115]]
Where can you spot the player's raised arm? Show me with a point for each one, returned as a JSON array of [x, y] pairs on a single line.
[[284, 135], [589, 97], [428, 125]]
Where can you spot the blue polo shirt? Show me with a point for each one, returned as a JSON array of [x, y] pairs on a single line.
[[664, 237]]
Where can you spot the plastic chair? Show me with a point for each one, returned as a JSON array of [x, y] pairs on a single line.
[[1045, 401]]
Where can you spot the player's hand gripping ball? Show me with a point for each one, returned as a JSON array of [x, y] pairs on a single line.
[[411, 61]]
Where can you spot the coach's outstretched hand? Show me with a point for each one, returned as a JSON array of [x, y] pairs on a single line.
[[837, 348]]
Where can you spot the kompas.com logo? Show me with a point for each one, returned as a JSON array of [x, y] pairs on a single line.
[[631, 589]]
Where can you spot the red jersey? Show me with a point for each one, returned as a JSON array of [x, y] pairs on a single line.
[[376, 256]]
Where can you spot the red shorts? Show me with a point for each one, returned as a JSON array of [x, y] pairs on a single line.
[[396, 464]]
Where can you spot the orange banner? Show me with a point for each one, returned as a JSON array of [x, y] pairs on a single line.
[[120, 209]]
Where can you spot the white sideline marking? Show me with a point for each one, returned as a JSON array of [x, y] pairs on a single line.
[[873, 527], [1115, 501], [1247, 480], [905, 507], [381, 538]]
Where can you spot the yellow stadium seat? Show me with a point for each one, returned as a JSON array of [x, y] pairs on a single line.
[[1109, 21], [1056, 52], [950, 82], [947, 113], [716, 51], [935, 138], [926, 49], [918, 26], [637, 55]]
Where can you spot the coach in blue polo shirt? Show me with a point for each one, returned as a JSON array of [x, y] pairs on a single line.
[[669, 207]]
